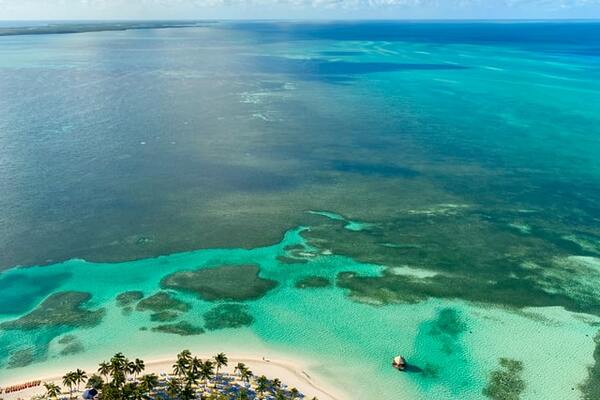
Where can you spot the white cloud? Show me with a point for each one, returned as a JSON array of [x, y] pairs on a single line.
[[278, 8]]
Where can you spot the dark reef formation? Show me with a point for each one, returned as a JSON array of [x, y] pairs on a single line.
[[227, 316], [22, 358], [164, 316], [182, 328], [312, 282], [160, 302], [227, 282], [591, 386], [59, 309], [506, 383], [127, 299]]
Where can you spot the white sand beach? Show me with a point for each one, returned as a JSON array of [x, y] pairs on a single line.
[[292, 373]]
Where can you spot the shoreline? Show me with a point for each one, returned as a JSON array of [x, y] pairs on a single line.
[[292, 373]]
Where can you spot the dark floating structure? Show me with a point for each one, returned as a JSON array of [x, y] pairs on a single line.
[[399, 363]]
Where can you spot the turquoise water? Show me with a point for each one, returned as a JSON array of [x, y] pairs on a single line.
[[447, 176], [350, 225], [348, 343]]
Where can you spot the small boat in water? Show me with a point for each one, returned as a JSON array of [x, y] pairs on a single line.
[[399, 363]]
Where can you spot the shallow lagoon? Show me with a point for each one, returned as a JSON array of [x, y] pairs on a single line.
[[452, 345]]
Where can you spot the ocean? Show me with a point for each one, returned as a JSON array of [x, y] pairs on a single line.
[[430, 189]]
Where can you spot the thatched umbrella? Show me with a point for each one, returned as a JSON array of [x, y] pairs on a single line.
[[399, 363]]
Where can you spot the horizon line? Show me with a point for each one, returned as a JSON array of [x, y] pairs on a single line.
[[595, 19]]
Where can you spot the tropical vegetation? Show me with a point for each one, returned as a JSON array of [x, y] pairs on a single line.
[[191, 378]]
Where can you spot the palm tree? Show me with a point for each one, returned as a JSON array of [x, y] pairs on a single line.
[[95, 382], [276, 384], [294, 393], [148, 382], [111, 392], [243, 394], [173, 387], [180, 367], [130, 367], [185, 355], [220, 361], [118, 358], [262, 384], [79, 376], [69, 381], [118, 369], [104, 369], [207, 370], [279, 395], [191, 378], [139, 367], [187, 393], [52, 390], [195, 364], [245, 374], [133, 391], [240, 367]]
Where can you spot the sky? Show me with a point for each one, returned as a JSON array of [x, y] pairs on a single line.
[[297, 9]]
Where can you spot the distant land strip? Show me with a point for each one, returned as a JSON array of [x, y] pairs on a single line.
[[83, 27]]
